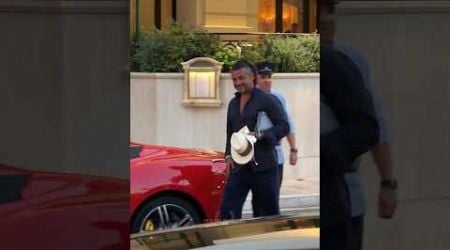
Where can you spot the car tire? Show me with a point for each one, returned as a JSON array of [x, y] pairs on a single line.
[[164, 213]]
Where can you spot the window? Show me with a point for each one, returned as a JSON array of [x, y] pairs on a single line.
[[134, 152], [297, 16], [266, 16], [292, 16], [261, 15]]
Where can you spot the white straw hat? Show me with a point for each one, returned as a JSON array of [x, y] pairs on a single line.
[[242, 146]]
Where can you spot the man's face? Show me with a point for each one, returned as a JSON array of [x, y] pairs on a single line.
[[242, 80], [265, 82], [327, 23]]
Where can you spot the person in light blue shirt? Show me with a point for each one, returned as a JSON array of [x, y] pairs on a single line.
[[264, 82]]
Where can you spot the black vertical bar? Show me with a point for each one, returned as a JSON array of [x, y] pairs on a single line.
[[306, 16], [278, 16], [158, 14], [174, 10], [137, 23]]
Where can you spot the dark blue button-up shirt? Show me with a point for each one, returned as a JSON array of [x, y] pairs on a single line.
[[265, 154]]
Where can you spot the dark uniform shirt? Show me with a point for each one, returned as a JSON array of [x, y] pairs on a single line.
[[265, 154]]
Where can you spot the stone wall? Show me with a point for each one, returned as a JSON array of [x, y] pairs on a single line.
[[407, 46], [158, 116]]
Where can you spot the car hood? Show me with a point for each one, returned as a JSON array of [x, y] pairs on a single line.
[[166, 153]]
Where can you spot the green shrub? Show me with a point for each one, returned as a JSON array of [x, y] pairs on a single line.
[[151, 52], [159, 51], [292, 54], [228, 56], [252, 53]]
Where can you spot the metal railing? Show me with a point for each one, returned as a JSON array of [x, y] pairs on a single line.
[[206, 234], [239, 40]]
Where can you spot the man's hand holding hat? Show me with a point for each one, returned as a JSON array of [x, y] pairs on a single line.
[[242, 146]]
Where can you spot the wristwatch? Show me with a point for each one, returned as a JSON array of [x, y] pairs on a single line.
[[294, 150], [390, 183]]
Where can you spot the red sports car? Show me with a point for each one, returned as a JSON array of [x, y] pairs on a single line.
[[173, 187]]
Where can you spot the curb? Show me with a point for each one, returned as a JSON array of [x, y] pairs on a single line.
[[289, 204]]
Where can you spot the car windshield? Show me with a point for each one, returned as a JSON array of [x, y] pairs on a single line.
[[11, 187], [134, 151]]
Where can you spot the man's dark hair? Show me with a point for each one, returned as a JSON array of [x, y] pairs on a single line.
[[245, 64]]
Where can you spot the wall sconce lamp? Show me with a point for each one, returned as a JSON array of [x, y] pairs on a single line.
[[201, 82]]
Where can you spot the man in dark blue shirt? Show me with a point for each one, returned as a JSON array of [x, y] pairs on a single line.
[[260, 175]]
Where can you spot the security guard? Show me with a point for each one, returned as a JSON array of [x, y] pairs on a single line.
[[264, 82]]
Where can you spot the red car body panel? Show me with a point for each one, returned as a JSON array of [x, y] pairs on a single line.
[[198, 174], [41, 210]]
